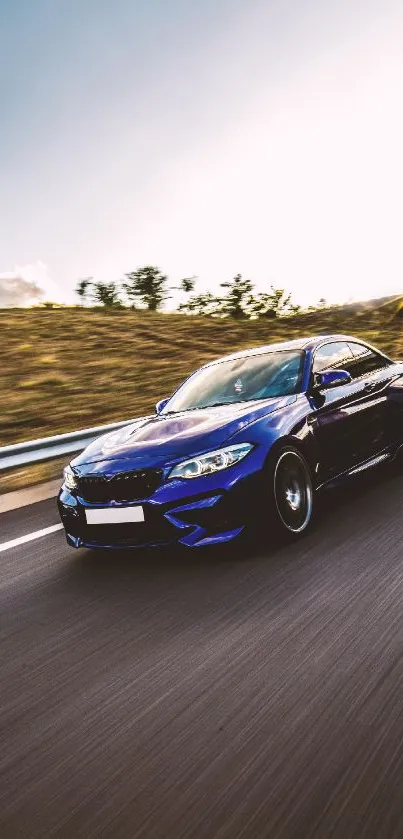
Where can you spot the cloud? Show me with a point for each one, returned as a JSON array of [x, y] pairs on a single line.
[[26, 285], [15, 291]]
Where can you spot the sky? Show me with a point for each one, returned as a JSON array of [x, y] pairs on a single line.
[[208, 137]]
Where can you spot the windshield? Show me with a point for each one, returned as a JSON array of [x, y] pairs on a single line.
[[240, 380]]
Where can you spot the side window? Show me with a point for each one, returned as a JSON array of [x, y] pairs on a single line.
[[336, 355], [366, 360]]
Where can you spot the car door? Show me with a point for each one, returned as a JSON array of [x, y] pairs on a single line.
[[347, 420], [376, 372]]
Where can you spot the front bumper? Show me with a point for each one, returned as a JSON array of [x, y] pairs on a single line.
[[195, 513]]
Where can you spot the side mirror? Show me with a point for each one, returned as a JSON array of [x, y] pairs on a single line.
[[161, 405], [331, 378]]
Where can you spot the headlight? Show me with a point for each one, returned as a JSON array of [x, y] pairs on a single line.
[[211, 462], [69, 478]]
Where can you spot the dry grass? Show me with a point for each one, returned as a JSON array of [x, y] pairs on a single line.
[[66, 369]]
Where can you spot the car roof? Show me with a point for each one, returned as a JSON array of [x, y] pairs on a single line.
[[309, 343]]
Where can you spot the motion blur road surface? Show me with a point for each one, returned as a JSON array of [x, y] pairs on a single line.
[[207, 695]]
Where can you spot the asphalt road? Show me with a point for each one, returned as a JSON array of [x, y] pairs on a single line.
[[206, 695]]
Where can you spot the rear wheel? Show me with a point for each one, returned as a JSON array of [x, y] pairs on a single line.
[[293, 492]]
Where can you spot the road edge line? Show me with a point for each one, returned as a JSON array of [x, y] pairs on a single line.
[[30, 537]]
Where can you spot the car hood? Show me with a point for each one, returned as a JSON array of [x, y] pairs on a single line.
[[153, 439]]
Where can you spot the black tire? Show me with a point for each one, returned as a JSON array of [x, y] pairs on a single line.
[[292, 493]]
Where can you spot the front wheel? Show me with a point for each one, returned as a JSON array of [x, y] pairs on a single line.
[[293, 492]]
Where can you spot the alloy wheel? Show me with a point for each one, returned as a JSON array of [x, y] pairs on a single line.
[[293, 492]]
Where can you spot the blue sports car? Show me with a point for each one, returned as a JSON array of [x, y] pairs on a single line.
[[247, 441]]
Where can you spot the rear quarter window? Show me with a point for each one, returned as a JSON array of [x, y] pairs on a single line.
[[366, 360]]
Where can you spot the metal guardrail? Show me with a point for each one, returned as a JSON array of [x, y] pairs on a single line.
[[47, 448]]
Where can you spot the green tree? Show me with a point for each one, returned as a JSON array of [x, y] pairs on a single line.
[[83, 287], [238, 302], [147, 285], [187, 284], [185, 288], [200, 304], [107, 294], [273, 304]]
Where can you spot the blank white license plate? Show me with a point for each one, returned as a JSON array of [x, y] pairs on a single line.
[[111, 515]]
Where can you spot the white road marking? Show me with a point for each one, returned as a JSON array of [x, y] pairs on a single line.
[[21, 540]]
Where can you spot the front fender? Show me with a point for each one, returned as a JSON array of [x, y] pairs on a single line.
[[290, 425]]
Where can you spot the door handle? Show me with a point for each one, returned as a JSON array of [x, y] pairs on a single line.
[[370, 386]]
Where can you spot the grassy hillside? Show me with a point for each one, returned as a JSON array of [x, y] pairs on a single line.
[[66, 369]]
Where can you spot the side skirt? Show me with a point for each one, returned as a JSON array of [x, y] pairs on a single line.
[[356, 470], [370, 463]]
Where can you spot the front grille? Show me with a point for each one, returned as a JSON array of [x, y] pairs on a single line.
[[125, 486]]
